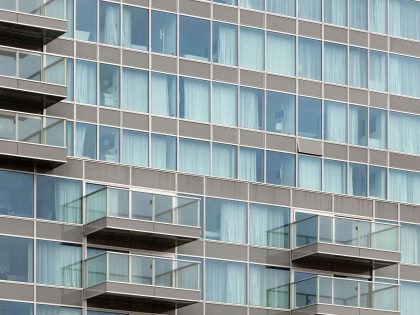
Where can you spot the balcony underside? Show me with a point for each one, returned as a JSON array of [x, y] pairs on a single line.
[[139, 298], [321, 309], [139, 234], [341, 258]]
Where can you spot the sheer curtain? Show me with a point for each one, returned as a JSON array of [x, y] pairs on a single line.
[[310, 9], [250, 108], [309, 58], [281, 54], [404, 19], [335, 121], [135, 148], [285, 7], [163, 94], [378, 71], [194, 156], [403, 133], [378, 128], [335, 176], [163, 152], [233, 222], [227, 43], [225, 104], [85, 82], [358, 67], [335, 12], [224, 160], [378, 19], [135, 90], [410, 302], [195, 104], [359, 14], [309, 174], [252, 4], [410, 244], [57, 310], [68, 201], [248, 165], [358, 125], [110, 32], [404, 186], [404, 73], [252, 49], [335, 63]]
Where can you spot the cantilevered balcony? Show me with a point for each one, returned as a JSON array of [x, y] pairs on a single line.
[[342, 244], [34, 139], [31, 23], [136, 219], [340, 296], [30, 81], [140, 283]]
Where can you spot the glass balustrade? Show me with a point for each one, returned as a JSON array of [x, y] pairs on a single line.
[[49, 8]]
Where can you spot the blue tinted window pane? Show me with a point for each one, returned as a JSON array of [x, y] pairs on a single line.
[[16, 194], [404, 131], [357, 179], [335, 63], [378, 71], [163, 94], [194, 156], [194, 38], [17, 262], [109, 23], [359, 14], [252, 4], [70, 79], [335, 121], [358, 67], [86, 141], [378, 19], [70, 18], [231, 2], [335, 12], [109, 144], [309, 172], [194, 99], [285, 7], [59, 199], [225, 160], [135, 28], [377, 128], [358, 125], [13, 308], [335, 177], [309, 58], [226, 220], [109, 85], [135, 92], [85, 87], [164, 33], [309, 117], [410, 237], [252, 49], [225, 43], [251, 108], [404, 18], [163, 152], [280, 168], [281, 113], [404, 186], [404, 73], [70, 138], [251, 165], [57, 310], [281, 54], [310, 9], [86, 20], [225, 104], [377, 182], [135, 148]]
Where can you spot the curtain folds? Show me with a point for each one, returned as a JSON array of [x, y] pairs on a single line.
[[135, 148], [281, 54], [226, 42], [285, 7], [335, 122], [358, 14], [233, 222], [195, 95], [250, 108], [252, 48], [310, 9], [135, 90], [194, 156], [404, 19], [85, 82], [309, 58], [309, 173], [224, 160], [404, 73], [358, 67], [403, 133], [378, 19], [335, 12], [110, 24], [335, 176], [225, 104], [163, 94], [335, 63]]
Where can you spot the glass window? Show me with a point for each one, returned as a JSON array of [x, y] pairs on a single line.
[[280, 168], [309, 58], [135, 95], [357, 179], [117, 199], [268, 286], [281, 54], [410, 243], [13, 308], [8, 125], [86, 141], [59, 199], [164, 33], [194, 156], [109, 23], [403, 133], [404, 185], [163, 94], [310, 9], [135, 28], [377, 128], [225, 104], [70, 138], [194, 99], [268, 225], [251, 108], [285, 7], [109, 88], [309, 117], [57, 310], [16, 194], [85, 88], [335, 12], [251, 164], [163, 152], [358, 125], [281, 113], [252, 48], [109, 144], [29, 129], [29, 66], [335, 121], [378, 18], [377, 182], [231, 2], [335, 176], [16, 259], [309, 170], [410, 291], [378, 71], [335, 63], [404, 19], [70, 79], [225, 43], [194, 38], [359, 14], [86, 20], [59, 264], [8, 61], [358, 67], [226, 220], [225, 160], [404, 73], [225, 281], [70, 19], [252, 4], [135, 148]]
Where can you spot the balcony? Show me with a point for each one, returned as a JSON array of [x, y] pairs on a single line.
[[342, 244], [29, 81], [32, 23], [137, 283], [340, 296], [33, 139], [134, 219]]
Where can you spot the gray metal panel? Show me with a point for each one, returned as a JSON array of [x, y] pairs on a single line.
[[135, 59], [335, 92], [72, 168], [378, 99], [335, 151], [281, 24], [388, 272], [336, 34], [403, 46], [57, 231], [195, 69], [193, 129], [164, 125], [308, 146], [386, 210], [410, 272], [14, 291], [269, 194], [378, 157], [190, 184], [109, 54], [42, 152], [225, 134], [164, 4], [224, 13], [153, 179], [107, 172], [378, 41], [311, 29], [42, 88], [61, 46], [252, 18], [63, 110], [225, 74], [195, 8], [279, 142], [252, 138], [135, 121], [269, 256], [410, 214], [226, 251], [225, 188], [17, 227], [312, 200], [358, 38], [195, 248], [252, 78], [144, 3], [404, 103], [42, 22], [355, 206], [194, 309], [279, 83], [358, 96], [59, 296], [109, 117], [86, 113], [86, 50], [166, 64], [409, 162], [219, 309], [357, 154], [310, 88], [8, 147], [262, 311]]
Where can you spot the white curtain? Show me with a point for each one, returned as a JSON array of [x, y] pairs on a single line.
[[126, 27], [404, 73], [57, 310], [310, 58], [163, 152], [194, 156], [335, 122], [85, 82], [378, 71], [281, 54], [233, 222], [310, 9], [81, 131], [135, 90], [378, 128], [403, 186], [335, 63], [410, 244], [404, 131], [358, 125], [163, 94], [335, 176], [196, 99], [285, 7], [250, 108], [135, 148], [225, 104], [335, 12], [410, 302], [378, 19], [358, 67], [224, 161], [252, 4], [252, 49], [309, 173], [404, 19], [110, 34], [359, 14], [226, 43], [248, 166], [68, 200]]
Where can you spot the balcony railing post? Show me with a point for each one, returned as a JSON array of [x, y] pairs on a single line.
[[153, 208], [332, 291], [129, 269], [106, 201]]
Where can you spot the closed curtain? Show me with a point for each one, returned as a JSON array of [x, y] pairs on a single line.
[[252, 49], [135, 148], [163, 94], [410, 302], [309, 59], [68, 201], [404, 73], [378, 19], [226, 43], [335, 176], [404, 186], [225, 104], [404, 19], [335, 12], [252, 4], [358, 125], [335, 63], [57, 310], [110, 34], [196, 99], [310, 9], [160, 152], [248, 168], [233, 222], [410, 244], [81, 130], [224, 161], [127, 28], [358, 67], [285, 7], [280, 54], [249, 110], [309, 173], [403, 133], [194, 157], [135, 90], [358, 14], [335, 122], [85, 82], [378, 71]]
